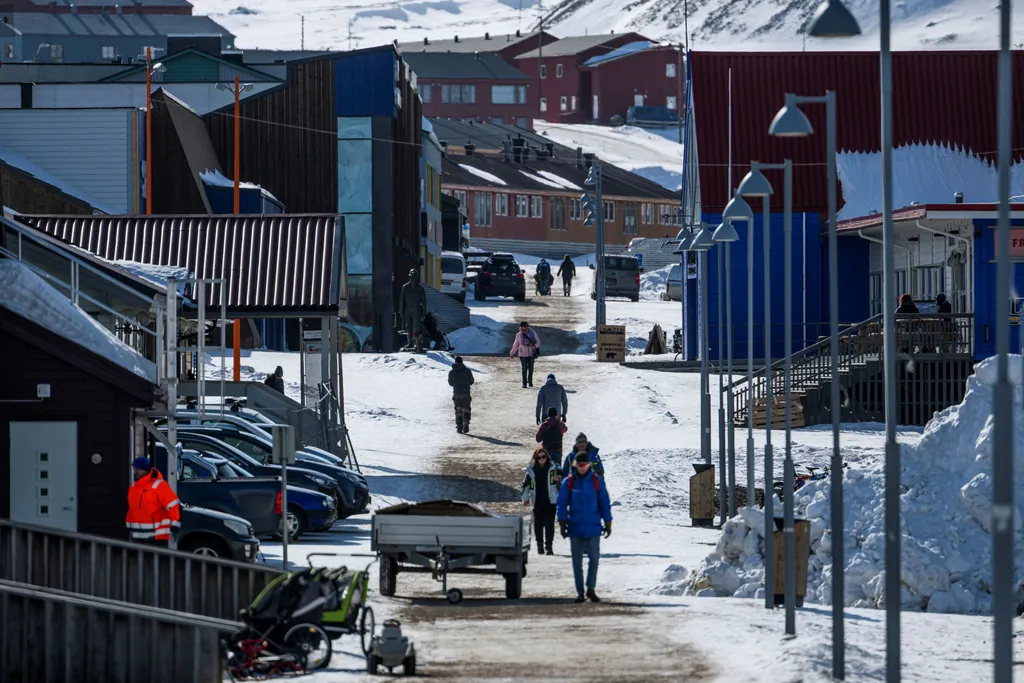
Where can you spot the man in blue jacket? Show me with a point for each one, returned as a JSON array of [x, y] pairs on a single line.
[[584, 513]]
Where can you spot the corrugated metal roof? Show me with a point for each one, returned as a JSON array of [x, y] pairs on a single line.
[[573, 45], [275, 264], [42, 23], [624, 51], [461, 65], [942, 97], [495, 43]]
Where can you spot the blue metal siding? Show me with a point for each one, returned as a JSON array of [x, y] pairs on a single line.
[[854, 279], [987, 305], [738, 274], [251, 201], [365, 83]]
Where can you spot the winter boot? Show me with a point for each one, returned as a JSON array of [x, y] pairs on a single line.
[[540, 549], [550, 551], [580, 598], [458, 426], [592, 595], [465, 427]]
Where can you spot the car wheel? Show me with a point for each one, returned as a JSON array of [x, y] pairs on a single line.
[[388, 575], [461, 298], [206, 546], [297, 523]]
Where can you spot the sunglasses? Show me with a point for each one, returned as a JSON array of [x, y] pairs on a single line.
[[582, 464], [542, 457]]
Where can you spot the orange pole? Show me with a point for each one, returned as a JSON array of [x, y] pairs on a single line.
[[149, 137], [237, 327]]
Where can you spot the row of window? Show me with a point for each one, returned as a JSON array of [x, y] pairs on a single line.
[[466, 94], [487, 205], [670, 70], [56, 51], [568, 103]]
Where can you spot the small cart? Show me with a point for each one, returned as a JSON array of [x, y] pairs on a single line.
[[450, 537]]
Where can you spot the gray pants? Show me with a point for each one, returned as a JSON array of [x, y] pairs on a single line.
[[592, 547]]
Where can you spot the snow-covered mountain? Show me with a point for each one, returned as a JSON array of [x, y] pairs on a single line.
[[712, 24]]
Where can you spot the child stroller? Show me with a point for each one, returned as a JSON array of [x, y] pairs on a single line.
[[434, 333], [291, 624]]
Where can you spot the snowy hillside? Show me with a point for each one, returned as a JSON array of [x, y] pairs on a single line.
[[713, 24]]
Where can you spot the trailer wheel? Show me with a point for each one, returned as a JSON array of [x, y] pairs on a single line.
[[388, 575], [513, 586], [454, 596]]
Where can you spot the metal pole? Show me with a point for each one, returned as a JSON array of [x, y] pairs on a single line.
[[600, 245], [1002, 395], [892, 449], [769, 503], [730, 427], [223, 340], [199, 366], [705, 393], [149, 133], [172, 383], [722, 491], [788, 532], [751, 502], [838, 522]]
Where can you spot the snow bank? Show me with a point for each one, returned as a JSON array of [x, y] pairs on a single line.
[[947, 512], [654, 283], [484, 335], [157, 274], [28, 295]]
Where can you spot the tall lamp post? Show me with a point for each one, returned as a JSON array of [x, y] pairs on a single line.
[[238, 89], [726, 234], [150, 70], [701, 243], [594, 178]]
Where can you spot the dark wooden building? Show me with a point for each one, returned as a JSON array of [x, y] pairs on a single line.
[[65, 460], [24, 192]]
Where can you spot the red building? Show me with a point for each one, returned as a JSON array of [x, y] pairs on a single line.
[[641, 74], [478, 86], [566, 92], [99, 6], [507, 47]]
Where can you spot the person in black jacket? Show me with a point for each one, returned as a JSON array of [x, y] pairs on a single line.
[[276, 381], [566, 271], [460, 379], [540, 491]]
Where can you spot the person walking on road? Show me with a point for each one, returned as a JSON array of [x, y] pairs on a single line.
[[540, 492], [584, 515], [527, 347], [551, 395], [154, 515], [582, 446], [566, 271], [276, 380], [460, 379], [549, 435]]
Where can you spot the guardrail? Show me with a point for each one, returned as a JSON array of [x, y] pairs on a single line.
[[105, 568], [51, 636]]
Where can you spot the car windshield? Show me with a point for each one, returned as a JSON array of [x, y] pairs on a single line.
[[452, 266], [503, 267], [224, 450], [252, 447], [621, 263]]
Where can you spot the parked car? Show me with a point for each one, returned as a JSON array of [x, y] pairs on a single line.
[[216, 534], [674, 283], [307, 510], [500, 275], [353, 493], [255, 499], [453, 275], [621, 278]]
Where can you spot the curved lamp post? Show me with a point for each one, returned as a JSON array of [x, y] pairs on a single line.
[[736, 209]]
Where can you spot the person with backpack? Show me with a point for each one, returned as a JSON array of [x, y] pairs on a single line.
[[527, 347], [540, 492], [544, 278], [566, 271], [582, 446], [552, 395], [584, 515], [460, 379], [549, 435]]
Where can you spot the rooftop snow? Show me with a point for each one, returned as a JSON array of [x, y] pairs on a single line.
[[157, 274], [28, 295], [544, 181], [922, 174], [489, 177], [627, 49], [560, 180], [217, 179]]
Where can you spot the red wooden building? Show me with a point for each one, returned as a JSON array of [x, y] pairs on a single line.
[[98, 6], [641, 73], [507, 47], [566, 91]]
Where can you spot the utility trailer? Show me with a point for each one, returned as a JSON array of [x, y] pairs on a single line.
[[444, 537]]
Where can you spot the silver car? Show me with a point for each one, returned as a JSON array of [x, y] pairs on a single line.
[[621, 278]]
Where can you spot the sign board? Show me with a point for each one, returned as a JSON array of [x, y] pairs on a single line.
[[611, 343], [1016, 245], [313, 335]]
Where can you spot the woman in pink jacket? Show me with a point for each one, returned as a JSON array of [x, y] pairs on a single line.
[[527, 347]]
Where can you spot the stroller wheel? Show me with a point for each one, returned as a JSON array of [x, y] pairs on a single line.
[[367, 627], [313, 641]]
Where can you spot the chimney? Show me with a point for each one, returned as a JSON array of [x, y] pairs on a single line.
[[506, 151], [118, 10], [470, 148], [550, 147], [456, 39], [518, 35], [426, 41], [487, 36], [74, 9], [588, 160], [958, 198], [579, 157]]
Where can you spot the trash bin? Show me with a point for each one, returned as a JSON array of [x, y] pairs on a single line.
[[702, 495], [802, 529]]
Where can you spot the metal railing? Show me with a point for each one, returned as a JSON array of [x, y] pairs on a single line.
[[931, 335], [51, 636], [127, 572]]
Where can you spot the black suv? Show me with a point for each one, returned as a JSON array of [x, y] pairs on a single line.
[[500, 276]]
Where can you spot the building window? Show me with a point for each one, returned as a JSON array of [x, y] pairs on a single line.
[[9, 51], [425, 94], [521, 122], [508, 94], [543, 104], [482, 209], [458, 94], [609, 211], [461, 196], [558, 213], [522, 206], [109, 52], [521, 94], [573, 108], [57, 52], [647, 214], [564, 103], [576, 210], [543, 71], [670, 70], [629, 219], [537, 206], [670, 102], [558, 71], [501, 205]]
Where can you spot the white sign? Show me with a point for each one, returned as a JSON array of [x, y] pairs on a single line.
[[313, 334]]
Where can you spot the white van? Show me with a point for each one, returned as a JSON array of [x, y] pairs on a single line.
[[453, 275]]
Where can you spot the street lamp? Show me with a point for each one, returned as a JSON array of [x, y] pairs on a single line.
[[594, 178], [701, 243], [150, 70], [726, 234]]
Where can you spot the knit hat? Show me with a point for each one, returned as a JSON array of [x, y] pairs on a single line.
[[141, 463], [582, 437], [582, 457], [551, 376], [458, 359], [552, 412]]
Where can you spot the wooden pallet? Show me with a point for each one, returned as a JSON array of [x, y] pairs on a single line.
[[779, 412]]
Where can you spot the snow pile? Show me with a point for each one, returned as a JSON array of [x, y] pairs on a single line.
[[28, 295], [218, 179], [946, 506], [654, 283], [484, 335], [158, 275]]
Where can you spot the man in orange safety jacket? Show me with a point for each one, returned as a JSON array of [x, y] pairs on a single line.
[[154, 514]]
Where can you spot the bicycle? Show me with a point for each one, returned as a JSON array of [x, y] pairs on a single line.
[[801, 480]]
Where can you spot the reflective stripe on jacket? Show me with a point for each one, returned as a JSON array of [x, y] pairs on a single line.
[[152, 508], [530, 483]]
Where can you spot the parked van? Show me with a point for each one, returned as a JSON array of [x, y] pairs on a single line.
[[453, 275], [621, 278]]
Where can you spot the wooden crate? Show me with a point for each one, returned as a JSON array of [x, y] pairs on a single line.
[[802, 530], [702, 496]]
